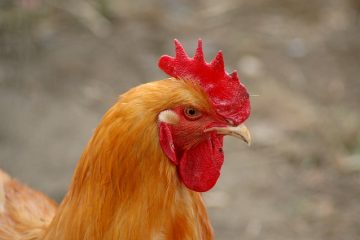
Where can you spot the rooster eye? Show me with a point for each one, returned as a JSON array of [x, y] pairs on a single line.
[[192, 113]]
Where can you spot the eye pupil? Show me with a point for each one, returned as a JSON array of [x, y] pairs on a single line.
[[192, 111]]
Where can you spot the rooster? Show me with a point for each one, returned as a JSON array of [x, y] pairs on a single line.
[[142, 173]]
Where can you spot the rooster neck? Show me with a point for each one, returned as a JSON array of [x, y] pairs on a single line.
[[125, 188]]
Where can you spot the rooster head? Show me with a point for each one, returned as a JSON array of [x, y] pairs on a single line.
[[192, 137]]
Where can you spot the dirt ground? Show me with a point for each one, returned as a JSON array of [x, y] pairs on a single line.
[[63, 63]]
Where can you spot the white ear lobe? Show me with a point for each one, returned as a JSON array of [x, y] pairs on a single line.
[[168, 116]]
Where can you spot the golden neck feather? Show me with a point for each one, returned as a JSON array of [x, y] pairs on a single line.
[[123, 179]]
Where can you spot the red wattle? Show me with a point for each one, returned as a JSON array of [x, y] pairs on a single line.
[[200, 166]]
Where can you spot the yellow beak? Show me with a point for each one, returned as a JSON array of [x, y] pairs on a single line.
[[240, 131]]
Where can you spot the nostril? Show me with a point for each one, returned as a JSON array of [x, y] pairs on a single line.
[[230, 122], [233, 122]]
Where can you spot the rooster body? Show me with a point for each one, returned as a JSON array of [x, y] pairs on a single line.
[[141, 173]]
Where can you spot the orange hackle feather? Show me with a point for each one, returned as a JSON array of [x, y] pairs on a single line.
[[124, 186], [24, 213]]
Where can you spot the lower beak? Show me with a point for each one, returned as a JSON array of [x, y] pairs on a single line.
[[240, 131]]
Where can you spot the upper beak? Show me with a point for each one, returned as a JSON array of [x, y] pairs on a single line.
[[240, 131]]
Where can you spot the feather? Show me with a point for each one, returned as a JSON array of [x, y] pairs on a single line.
[[124, 180]]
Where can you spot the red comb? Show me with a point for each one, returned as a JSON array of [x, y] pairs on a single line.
[[228, 96]]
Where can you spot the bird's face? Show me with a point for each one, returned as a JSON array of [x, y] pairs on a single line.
[[192, 139], [191, 136]]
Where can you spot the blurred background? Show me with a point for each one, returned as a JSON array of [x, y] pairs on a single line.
[[64, 63]]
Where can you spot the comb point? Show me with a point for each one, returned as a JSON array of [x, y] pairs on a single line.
[[179, 50], [218, 62], [234, 76], [199, 54]]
